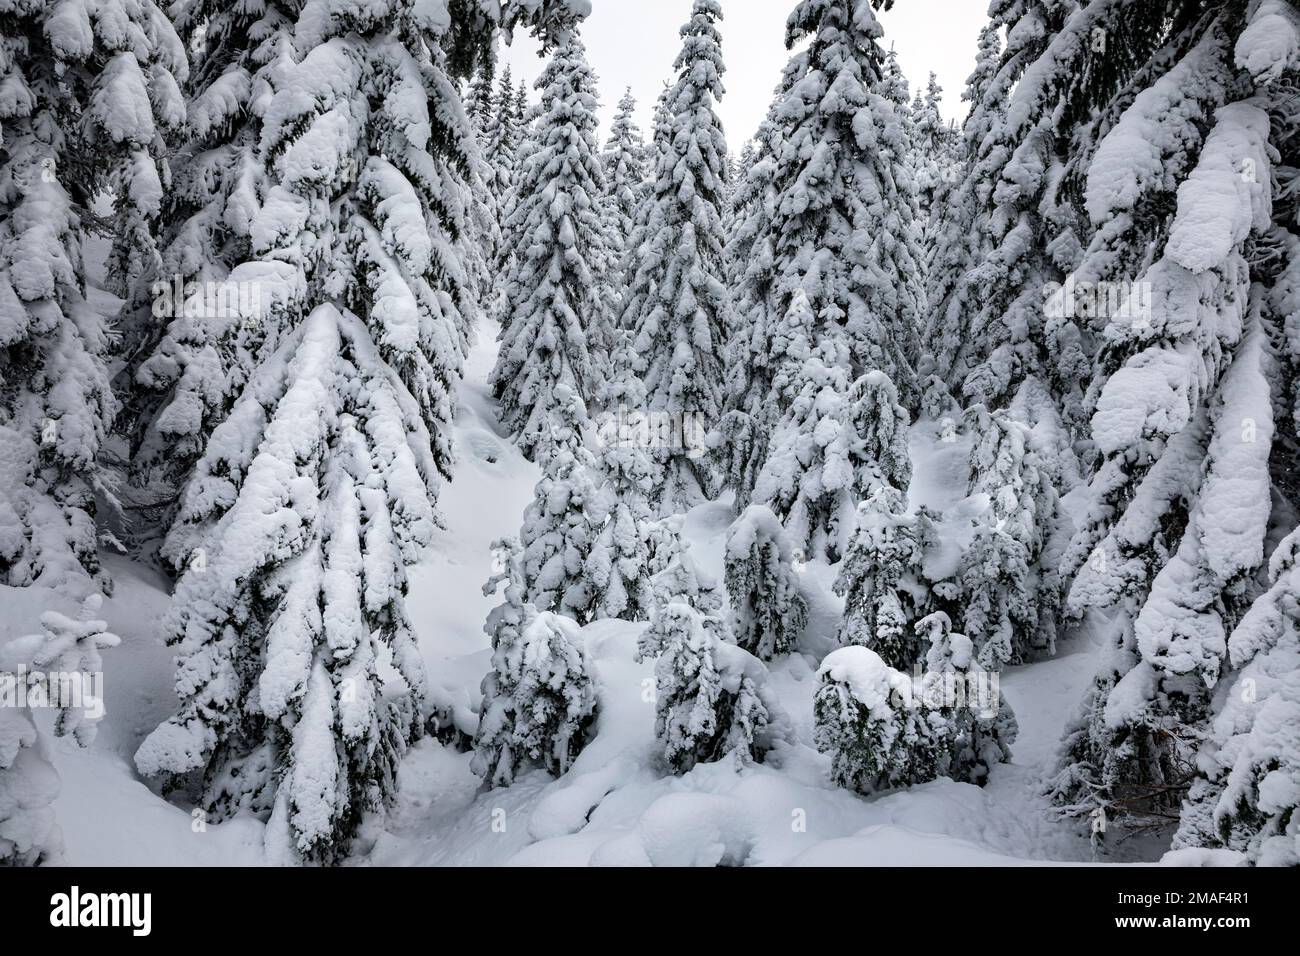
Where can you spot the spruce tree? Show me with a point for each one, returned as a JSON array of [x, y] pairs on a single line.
[[88, 106], [552, 304], [539, 700], [66, 650], [878, 580], [956, 237], [768, 610], [619, 565], [1176, 520], [1011, 596], [836, 262], [1244, 797], [677, 304], [625, 168], [189, 355], [561, 525], [711, 698], [835, 447], [299, 677]]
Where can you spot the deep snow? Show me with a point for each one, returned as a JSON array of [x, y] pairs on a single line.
[[616, 806]]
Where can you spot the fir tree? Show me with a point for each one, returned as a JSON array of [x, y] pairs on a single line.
[[1177, 517], [1010, 596], [625, 168], [552, 302], [539, 699], [1244, 797], [866, 721], [677, 303], [66, 650], [956, 234], [834, 448], [299, 678], [561, 525], [189, 354], [878, 581], [768, 611], [619, 564], [88, 105], [710, 695]]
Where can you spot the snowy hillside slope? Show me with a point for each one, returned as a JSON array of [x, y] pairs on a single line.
[[616, 806]]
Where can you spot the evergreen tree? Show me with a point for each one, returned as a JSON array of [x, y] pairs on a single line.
[[539, 699], [1010, 595], [866, 721], [69, 646], [552, 304], [981, 727], [562, 523], [625, 168], [1244, 797], [845, 260], [768, 612], [66, 650], [878, 580], [194, 327], [835, 447], [1177, 517], [299, 677], [88, 104], [478, 100], [756, 354], [619, 564], [710, 695], [933, 160], [956, 237], [677, 303]]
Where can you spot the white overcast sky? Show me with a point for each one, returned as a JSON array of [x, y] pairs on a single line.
[[634, 42]]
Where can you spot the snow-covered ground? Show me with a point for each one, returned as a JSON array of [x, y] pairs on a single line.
[[616, 805]]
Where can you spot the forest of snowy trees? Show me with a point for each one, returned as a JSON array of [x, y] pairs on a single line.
[[250, 255]]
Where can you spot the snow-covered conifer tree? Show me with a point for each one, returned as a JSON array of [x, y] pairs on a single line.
[[1010, 599], [190, 340], [299, 677], [1245, 795], [829, 249], [981, 726], [1177, 518], [833, 449], [677, 304], [562, 523], [768, 610], [956, 232], [710, 695], [539, 699], [866, 720], [755, 353], [553, 308], [29, 784], [619, 565], [934, 163], [69, 648], [625, 168], [711, 698], [879, 581], [89, 97], [41, 668]]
